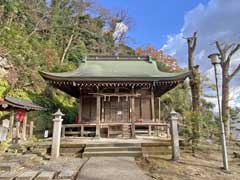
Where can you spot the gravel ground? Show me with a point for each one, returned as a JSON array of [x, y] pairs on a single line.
[[112, 168], [205, 165]]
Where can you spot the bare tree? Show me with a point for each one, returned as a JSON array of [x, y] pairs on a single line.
[[226, 51], [195, 79], [195, 88]]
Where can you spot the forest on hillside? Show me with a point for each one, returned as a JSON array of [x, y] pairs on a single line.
[[54, 35]]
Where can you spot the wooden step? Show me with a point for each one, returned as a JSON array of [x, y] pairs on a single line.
[[114, 145], [101, 149], [113, 154]]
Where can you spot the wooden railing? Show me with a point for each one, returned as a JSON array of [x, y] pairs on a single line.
[[153, 128]]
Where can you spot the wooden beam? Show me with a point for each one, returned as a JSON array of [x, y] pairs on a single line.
[[152, 105], [116, 94]]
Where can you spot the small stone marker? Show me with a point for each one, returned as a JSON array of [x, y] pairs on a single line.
[[45, 175], [27, 175]]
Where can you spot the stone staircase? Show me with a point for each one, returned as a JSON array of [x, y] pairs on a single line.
[[112, 150]]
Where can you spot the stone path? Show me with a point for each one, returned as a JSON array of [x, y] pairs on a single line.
[[109, 168], [30, 167]]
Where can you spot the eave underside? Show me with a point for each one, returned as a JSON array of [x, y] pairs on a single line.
[[73, 88]]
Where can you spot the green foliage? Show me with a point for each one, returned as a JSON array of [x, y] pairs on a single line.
[[178, 99], [4, 86], [3, 146], [34, 37]]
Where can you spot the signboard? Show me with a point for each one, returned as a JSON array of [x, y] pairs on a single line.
[[5, 123]]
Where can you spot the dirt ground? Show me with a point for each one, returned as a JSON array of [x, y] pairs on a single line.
[[205, 165]]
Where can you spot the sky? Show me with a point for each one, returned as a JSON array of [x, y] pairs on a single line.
[[153, 20], [164, 24]]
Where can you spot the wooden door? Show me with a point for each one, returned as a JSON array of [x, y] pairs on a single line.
[[116, 111]]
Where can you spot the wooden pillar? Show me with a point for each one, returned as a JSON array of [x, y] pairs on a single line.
[[31, 130], [152, 105], [102, 117], [11, 123], [98, 116], [24, 128], [133, 117], [17, 131], [159, 109], [149, 130], [80, 110]]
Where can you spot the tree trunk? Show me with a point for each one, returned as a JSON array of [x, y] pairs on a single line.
[[195, 89], [225, 100]]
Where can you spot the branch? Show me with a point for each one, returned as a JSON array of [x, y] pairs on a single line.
[[219, 47], [233, 52], [35, 28], [221, 51], [194, 40], [66, 49], [235, 72]]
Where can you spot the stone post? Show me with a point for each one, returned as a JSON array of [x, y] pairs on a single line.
[[174, 135], [31, 130], [57, 126]]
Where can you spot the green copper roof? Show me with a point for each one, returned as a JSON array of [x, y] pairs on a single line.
[[117, 69]]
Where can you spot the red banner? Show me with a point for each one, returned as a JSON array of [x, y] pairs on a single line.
[[20, 115]]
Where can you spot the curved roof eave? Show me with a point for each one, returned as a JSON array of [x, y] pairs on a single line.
[[167, 76]]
